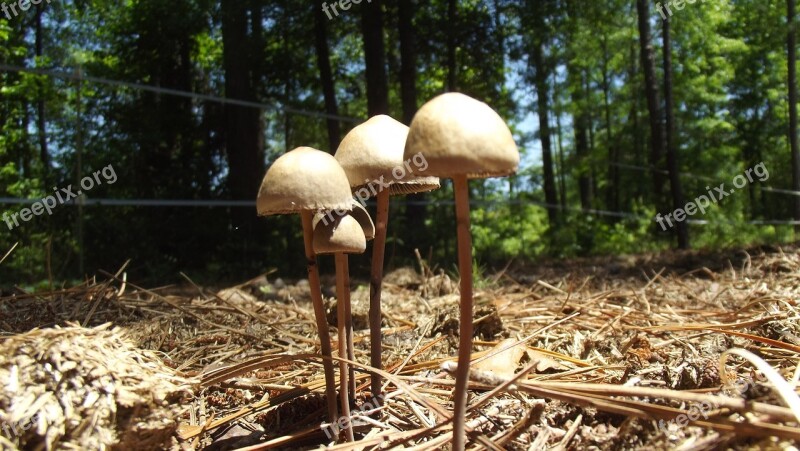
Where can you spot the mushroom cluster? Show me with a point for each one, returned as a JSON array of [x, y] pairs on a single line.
[[457, 137]]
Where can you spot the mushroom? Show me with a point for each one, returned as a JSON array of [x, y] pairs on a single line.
[[371, 155], [304, 181], [343, 234], [360, 214], [461, 139]]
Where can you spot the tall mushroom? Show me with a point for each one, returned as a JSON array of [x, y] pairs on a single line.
[[342, 236], [304, 181], [371, 155], [462, 138]]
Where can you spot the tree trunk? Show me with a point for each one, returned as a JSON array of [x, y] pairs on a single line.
[[372, 30], [791, 42], [326, 75], [562, 168], [415, 212], [408, 59], [41, 119], [452, 17], [582, 148], [612, 190], [639, 157], [542, 74], [651, 93], [682, 227], [243, 124]]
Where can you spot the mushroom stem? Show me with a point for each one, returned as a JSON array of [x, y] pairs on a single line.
[[376, 280], [348, 323], [461, 188], [319, 314], [342, 287]]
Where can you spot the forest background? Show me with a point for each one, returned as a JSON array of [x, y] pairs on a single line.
[[623, 110]]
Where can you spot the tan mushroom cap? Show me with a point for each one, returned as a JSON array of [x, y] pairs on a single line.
[[374, 150], [342, 235], [359, 213], [304, 179], [459, 135]]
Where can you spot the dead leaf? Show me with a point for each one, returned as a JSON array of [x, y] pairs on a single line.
[[503, 362]]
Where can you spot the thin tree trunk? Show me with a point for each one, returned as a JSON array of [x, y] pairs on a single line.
[[243, 124], [550, 195], [372, 30], [582, 150], [415, 211], [562, 176], [590, 129], [326, 75], [791, 42], [651, 93], [408, 59], [639, 157], [452, 17], [682, 228], [41, 119], [612, 190]]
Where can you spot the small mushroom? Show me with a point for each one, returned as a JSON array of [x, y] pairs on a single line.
[[342, 236], [461, 139], [304, 181], [360, 214], [371, 155]]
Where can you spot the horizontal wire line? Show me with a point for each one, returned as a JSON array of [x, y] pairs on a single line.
[[78, 75], [252, 204]]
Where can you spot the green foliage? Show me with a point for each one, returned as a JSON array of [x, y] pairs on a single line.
[[731, 112]]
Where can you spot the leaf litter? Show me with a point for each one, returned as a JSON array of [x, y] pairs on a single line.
[[602, 353]]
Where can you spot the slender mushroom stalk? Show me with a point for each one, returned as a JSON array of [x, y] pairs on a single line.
[[304, 181], [461, 188], [372, 157], [360, 214], [375, 285], [341, 236], [319, 315], [342, 289], [462, 138]]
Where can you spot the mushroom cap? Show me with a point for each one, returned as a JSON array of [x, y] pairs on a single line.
[[359, 213], [342, 235], [373, 151], [459, 135], [304, 179]]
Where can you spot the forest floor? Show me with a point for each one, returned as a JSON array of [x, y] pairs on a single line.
[[606, 353]]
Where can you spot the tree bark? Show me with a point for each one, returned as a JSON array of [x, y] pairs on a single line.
[[408, 59], [791, 43], [562, 168], [326, 75], [541, 76], [452, 17], [580, 126], [612, 190], [41, 112], [651, 93], [374, 60], [682, 228], [243, 124], [415, 212]]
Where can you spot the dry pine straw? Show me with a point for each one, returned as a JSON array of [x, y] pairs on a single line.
[[615, 345]]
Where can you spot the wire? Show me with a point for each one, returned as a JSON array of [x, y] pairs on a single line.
[[252, 204], [78, 75]]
